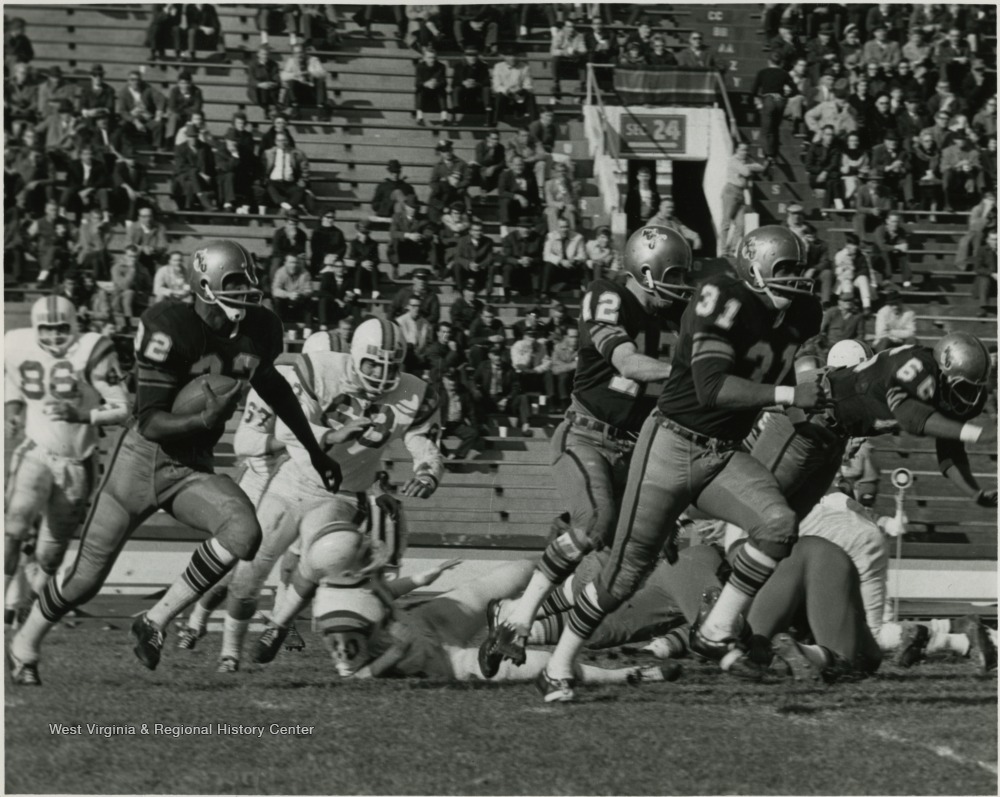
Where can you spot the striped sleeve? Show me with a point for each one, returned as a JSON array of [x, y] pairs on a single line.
[[607, 338], [708, 346]]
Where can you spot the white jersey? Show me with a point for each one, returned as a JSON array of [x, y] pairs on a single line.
[[254, 440], [86, 376], [330, 397]]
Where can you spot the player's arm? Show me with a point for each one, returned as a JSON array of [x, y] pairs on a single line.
[[953, 461], [14, 404], [107, 379], [403, 586], [420, 440], [602, 314], [634, 365]]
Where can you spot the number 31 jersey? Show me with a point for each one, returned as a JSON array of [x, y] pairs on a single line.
[[727, 329], [41, 379]]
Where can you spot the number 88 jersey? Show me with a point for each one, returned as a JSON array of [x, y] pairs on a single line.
[[41, 379]]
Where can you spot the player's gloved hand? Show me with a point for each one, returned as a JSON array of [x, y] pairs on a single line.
[[809, 395], [346, 433], [419, 487], [66, 412], [431, 575], [328, 470], [987, 498], [219, 407]]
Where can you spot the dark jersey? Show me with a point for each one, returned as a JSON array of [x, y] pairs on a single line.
[[726, 330], [610, 316], [173, 346], [893, 390]]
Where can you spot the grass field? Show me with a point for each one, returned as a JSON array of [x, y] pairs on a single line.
[[930, 730]]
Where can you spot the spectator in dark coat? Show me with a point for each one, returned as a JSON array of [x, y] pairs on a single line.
[[518, 192], [97, 96], [489, 162], [474, 258], [464, 311], [443, 353], [53, 236], [291, 239], [544, 130], [495, 388], [362, 258], [87, 185], [131, 188], [200, 29], [822, 163], [336, 292], [264, 81], [430, 305], [871, 206], [893, 162], [893, 249], [18, 49], [327, 239], [235, 174], [843, 322], [390, 193], [20, 97], [910, 120], [410, 236], [485, 331], [278, 127], [431, 88], [443, 195], [522, 260], [458, 414], [642, 200], [984, 265], [470, 84], [183, 100], [193, 176], [137, 99]]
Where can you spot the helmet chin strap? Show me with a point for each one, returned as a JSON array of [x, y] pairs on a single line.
[[233, 314], [778, 302]]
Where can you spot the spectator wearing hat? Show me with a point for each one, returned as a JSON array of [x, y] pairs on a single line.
[[843, 321], [496, 389], [303, 80], [362, 257], [183, 99], [513, 90], [53, 91], [149, 237], [568, 51], [871, 205], [880, 49], [893, 162], [470, 82], [289, 239], [960, 172], [327, 239], [443, 353], [20, 97], [130, 189], [822, 162], [984, 266], [488, 163], [291, 290], [87, 185], [390, 193], [410, 236], [475, 259], [286, 173], [464, 311], [562, 200], [431, 88], [521, 260], [600, 254], [892, 249], [665, 217], [18, 49], [631, 55], [518, 193], [235, 175], [853, 271], [895, 325], [430, 305], [336, 297], [264, 81], [458, 415], [564, 256], [822, 51], [444, 194]]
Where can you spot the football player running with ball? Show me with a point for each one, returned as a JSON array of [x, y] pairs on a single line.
[[60, 386], [164, 460], [592, 448], [734, 356]]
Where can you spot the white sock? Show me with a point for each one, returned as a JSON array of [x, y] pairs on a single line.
[[288, 609], [522, 613], [724, 619], [958, 643], [589, 674], [890, 635], [181, 594], [816, 654], [562, 663], [199, 618], [233, 633], [939, 635], [27, 642]]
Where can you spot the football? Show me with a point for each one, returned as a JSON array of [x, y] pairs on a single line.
[[192, 395]]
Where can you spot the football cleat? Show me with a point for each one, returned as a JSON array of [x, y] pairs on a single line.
[[555, 690], [981, 650], [228, 664], [912, 644], [489, 658], [788, 650], [294, 640], [670, 671], [23, 673], [187, 637], [721, 650], [269, 644], [148, 641]]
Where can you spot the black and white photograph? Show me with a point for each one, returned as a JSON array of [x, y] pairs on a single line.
[[500, 399]]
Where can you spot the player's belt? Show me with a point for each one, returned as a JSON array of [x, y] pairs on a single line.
[[594, 425], [702, 440]]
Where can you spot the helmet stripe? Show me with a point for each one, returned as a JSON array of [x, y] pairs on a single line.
[[53, 309], [388, 334]]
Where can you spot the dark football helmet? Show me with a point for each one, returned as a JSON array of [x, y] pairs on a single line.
[[224, 274], [659, 259], [966, 372], [770, 261]]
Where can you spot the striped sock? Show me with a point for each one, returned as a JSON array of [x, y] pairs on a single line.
[[751, 570], [589, 611], [560, 558], [209, 564], [556, 603], [547, 630], [52, 603]]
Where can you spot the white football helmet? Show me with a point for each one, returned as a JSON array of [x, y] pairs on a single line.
[[54, 321], [348, 618], [317, 342], [379, 347], [848, 353]]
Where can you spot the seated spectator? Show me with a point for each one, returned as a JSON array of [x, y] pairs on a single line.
[[20, 98], [485, 332], [443, 353], [131, 189], [988, 161], [149, 237], [530, 320], [525, 146], [278, 19], [852, 270], [36, 184], [18, 49], [431, 88], [291, 290], [410, 237], [495, 388], [544, 131], [326, 239], [631, 56], [454, 224], [171, 281], [289, 239], [417, 333], [390, 193], [945, 100], [73, 289], [982, 217], [336, 292], [568, 52], [279, 126], [871, 205], [476, 27], [286, 173], [53, 91], [522, 261], [264, 81], [698, 55], [423, 26], [53, 236], [92, 244], [916, 50], [362, 257], [96, 97], [893, 163], [561, 198], [235, 173], [488, 163], [160, 33], [183, 100], [464, 311], [131, 136], [910, 120], [600, 255], [880, 49], [977, 88], [558, 322], [199, 28], [513, 90], [458, 416], [893, 248], [564, 256], [430, 305], [642, 35], [303, 81], [559, 378], [939, 131], [444, 194], [98, 136], [795, 105], [819, 266], [530, 360], [658, 56], [665, 218], [984, 123], [88, 185], [926, 160], [895, 325], [60, 131], [795, 220], [822, 162], [449, 163], [642, 200], [984, 266], [131, 287], [953, 59], [138, 100], [470, 85], [843, 321], [960, 171], [475, 260], [836, 113], [518, 193], [318, 26]]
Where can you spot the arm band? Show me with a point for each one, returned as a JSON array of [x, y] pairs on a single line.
[[970, 433], [785, 396]]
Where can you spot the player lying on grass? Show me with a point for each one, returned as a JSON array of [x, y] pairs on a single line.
[[967, 637]]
